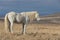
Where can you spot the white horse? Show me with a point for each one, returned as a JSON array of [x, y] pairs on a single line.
[[11, 17], [23, 17]]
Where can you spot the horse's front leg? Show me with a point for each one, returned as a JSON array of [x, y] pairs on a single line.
[[24, 29]]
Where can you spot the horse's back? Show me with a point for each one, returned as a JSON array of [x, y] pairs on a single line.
[[11, 13]]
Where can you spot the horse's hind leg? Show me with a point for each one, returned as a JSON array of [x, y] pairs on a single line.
[[11, 27]]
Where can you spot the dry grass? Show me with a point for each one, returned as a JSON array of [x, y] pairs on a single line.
[[44, 31]]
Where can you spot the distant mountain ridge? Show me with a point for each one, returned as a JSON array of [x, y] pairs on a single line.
[[52, 18], [57, 14]]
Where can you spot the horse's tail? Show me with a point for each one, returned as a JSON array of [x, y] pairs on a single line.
[[6, 22]]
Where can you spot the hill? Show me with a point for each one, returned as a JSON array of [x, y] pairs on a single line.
[[53, 18], [53, 15]]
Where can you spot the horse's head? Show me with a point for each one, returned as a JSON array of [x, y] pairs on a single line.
[[37, 16]]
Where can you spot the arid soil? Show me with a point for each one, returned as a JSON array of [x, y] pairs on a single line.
[[34, 31]]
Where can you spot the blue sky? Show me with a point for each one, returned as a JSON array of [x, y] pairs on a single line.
[[44, 7]]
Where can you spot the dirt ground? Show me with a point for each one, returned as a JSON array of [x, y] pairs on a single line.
[[34, 31]]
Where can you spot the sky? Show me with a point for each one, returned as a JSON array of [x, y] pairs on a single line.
[[44, 7]]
